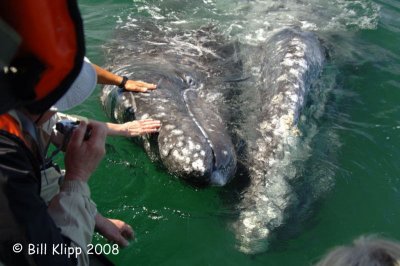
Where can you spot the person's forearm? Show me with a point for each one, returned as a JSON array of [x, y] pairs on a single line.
[[74, 213], [106, 77], [115, 129], [132, 128]]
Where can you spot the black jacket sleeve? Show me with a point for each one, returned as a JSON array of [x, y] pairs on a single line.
[[21, 171]]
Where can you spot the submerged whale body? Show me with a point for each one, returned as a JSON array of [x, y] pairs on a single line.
[[293, 60]]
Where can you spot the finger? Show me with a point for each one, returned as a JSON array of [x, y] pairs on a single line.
[[149, 130], [137, 89], [145, 84], [150, 121], [127, 232], [78, 134], [151, 127], [146, 87], [118, 239], [151, 124], [151, 87], [121, 241]]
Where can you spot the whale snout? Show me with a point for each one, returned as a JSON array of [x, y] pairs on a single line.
[[218, 178], [224, 165], [190, 156], [193, 142]]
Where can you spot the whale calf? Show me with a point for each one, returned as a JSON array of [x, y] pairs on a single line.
[[193, 142]]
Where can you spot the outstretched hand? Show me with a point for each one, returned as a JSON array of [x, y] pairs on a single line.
[[106, 77], [140, 127], [114, 230], [139, 86]]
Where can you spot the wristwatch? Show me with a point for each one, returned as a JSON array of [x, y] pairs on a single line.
[[123, 82]]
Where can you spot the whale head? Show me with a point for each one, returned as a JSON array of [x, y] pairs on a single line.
[[192, 142]]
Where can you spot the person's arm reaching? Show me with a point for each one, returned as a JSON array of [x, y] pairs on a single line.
[[133, 128], [108, 78], [128, 129]]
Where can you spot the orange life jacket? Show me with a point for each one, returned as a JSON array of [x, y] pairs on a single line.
[[51, 52], [10, 125], [20, 126]]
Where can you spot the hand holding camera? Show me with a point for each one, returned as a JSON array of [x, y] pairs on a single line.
[[82, 156], [66, 127]]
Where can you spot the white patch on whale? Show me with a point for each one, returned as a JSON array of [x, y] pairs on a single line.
[[145, 116], [199, 165], [169, 127], [176, 132]]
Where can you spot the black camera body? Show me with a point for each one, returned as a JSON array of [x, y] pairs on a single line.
[[66, 127]]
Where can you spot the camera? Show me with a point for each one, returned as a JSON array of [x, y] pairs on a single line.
[[66, 127]]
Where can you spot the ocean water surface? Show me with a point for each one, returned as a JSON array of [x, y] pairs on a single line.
[[352, 122]]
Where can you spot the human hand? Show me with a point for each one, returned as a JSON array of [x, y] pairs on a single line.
[[140, 127], [114, 230], [139, 86], [83, 156]]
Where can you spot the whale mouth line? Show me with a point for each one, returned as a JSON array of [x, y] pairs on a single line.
[[216, 175]]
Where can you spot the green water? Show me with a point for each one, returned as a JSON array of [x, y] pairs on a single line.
[[176, 224]]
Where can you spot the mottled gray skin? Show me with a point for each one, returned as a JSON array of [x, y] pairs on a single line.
[[193, 142], [293, 59]]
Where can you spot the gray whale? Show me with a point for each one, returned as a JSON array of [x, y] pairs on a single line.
[[293, 60], [194, 142]]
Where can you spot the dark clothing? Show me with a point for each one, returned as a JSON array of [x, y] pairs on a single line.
[[23, 208]]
